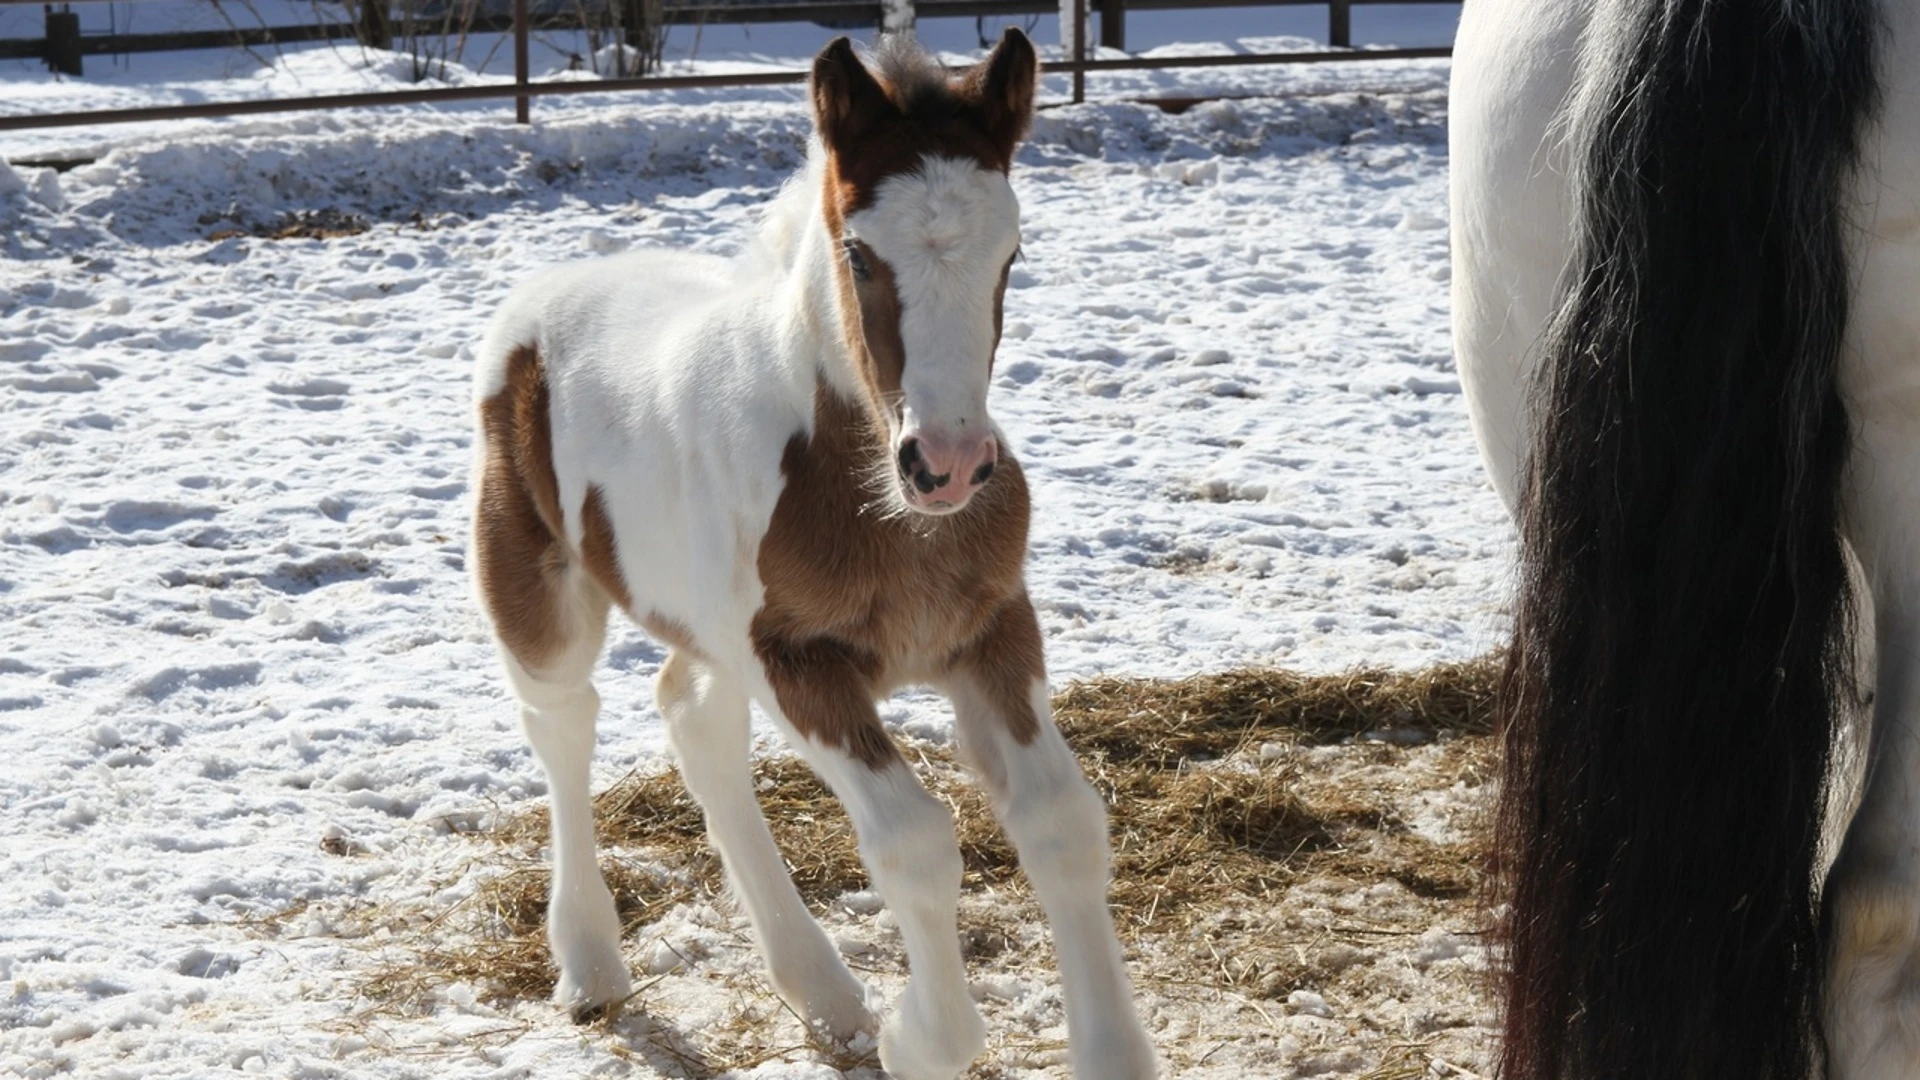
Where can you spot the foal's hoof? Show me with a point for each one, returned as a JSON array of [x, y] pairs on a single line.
[[921, 1044], [843, 1024], [823, 991], [600, 998], [593, 1014], [1116, 1051]]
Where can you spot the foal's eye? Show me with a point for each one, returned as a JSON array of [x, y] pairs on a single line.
[[856, 262]]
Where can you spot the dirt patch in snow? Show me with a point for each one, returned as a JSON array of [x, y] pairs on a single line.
[[326, 223]]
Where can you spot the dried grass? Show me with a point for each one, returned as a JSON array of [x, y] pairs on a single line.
[[1207, 829], [1161, 722]]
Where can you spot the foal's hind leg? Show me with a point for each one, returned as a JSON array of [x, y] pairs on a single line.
[[550, 621], [1058, 824], [558, 707], [707, 722]]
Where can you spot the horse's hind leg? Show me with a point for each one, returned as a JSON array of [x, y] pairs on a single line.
[[1058, 824], [558, 707], [1872, 898], [550, 622], [707, 721]]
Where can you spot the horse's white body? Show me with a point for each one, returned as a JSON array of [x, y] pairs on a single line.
[[675, 382], [1515, 64], [677, 388]]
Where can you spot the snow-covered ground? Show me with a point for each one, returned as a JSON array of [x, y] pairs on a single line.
[[233, 480]]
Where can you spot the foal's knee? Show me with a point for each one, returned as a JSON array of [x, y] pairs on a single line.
[[915, 846], [1062, 821]]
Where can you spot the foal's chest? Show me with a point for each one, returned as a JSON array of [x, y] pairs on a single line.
[[901, 594]]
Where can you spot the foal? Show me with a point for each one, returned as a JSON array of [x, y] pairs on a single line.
[[782, 466]]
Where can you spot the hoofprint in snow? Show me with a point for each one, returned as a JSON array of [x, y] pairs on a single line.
[[233, 520]]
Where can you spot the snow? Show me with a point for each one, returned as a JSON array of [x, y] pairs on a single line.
[[232, 508]]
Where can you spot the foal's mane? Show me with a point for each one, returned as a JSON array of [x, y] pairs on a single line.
[[776, 241]]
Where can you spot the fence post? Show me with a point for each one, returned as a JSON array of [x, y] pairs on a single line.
[[897, 17], [1113, 24], [1340, 23], [522, 104], [376, 29], [63, 41], [1073, 35]]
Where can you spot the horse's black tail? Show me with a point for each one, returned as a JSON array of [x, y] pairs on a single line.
[[1680, 638]]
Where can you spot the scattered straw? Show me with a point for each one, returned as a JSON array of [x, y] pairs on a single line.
[[1160, 722], [1218, 806]]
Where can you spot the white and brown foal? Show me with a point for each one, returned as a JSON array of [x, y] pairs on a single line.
[[782, 466]]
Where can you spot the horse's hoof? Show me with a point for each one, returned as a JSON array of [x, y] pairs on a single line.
[[601, 998], [921, 1043], [595, 1013]]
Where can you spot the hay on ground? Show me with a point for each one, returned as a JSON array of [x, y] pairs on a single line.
[[1207, 822]]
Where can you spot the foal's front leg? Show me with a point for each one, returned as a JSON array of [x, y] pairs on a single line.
[[1058, 824], [907, 842], [709, 726]]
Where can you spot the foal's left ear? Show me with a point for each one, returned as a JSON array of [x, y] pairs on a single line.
[[1002, 87], [847, 100]]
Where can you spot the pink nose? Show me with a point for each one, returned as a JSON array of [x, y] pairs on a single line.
[[942, 474]]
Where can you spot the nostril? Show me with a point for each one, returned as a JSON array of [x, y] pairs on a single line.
[[983, 474], [909, 456]]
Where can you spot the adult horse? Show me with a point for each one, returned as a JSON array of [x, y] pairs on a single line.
[[782, 466], [1686, 302]]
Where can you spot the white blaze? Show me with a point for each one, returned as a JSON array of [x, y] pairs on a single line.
[[947, 230]]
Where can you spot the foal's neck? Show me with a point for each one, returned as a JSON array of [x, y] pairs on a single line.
[[812, 300]]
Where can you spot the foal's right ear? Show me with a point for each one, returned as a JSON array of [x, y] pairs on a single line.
[[847, 100]]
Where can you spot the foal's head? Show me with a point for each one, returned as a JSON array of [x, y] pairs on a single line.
[[927, 226]]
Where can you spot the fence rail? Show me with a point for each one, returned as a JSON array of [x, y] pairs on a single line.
[[71, 45]]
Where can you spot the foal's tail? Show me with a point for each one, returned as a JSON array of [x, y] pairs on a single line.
[[1680, 636]]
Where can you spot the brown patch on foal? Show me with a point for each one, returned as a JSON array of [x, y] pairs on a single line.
[[1000, 309], [857, 603], [1005, 662], [517, 522], [876, 344], [598, 552]]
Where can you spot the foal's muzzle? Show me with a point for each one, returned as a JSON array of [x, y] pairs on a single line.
[[938, 475]]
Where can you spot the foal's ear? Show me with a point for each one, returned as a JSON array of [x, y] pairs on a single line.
[[1002, 85], [847, 100]]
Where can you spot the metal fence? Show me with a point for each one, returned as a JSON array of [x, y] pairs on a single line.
[[64, 45]]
